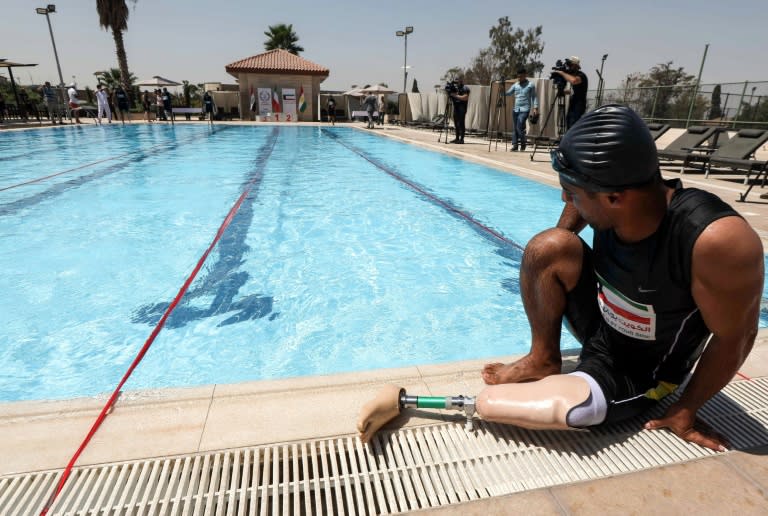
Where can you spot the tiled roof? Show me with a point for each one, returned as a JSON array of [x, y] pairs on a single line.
[[276, 61]]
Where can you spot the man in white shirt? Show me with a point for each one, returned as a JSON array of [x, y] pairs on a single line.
[[74, 104], [102, 99]]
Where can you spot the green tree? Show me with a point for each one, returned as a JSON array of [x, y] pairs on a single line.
[[513, 48], [191, 93], [510, 48], [282, 36], [415, 88], [113, 15], [670, 84], [112, 77], [715, 109]]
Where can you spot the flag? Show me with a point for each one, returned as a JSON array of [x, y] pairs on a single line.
[[275, 101], [302, 100], [253, 100]]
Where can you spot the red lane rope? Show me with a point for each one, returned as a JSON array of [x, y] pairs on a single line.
[[32, 181], [102, 416]]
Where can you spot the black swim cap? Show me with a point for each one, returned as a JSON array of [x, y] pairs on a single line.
[[608, 149]]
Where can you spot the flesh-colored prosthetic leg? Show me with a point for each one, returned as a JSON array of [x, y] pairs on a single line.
[[379, 411], [543, 404]]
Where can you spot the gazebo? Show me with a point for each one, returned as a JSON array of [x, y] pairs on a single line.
[[281, 73]]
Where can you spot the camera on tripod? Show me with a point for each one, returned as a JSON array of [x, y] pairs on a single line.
[[451, 87], [558, 80]]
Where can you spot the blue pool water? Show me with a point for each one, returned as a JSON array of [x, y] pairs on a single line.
[[352, 252]]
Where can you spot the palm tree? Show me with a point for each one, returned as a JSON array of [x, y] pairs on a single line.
[[112, 77], [282, 36], [191, 93], [113, 14]]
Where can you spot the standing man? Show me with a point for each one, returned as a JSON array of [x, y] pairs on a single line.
[[332, 110], [74, 103], [674, 278], [579, 84], [167, 105], [208, 106], [121, 103], [370, 107], [526, 102], [146, 103], [102, 101], [51, 98], [460, 98]]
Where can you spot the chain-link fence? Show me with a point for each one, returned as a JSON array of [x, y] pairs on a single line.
[[735, 105]]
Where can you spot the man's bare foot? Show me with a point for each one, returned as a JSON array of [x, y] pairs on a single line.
[[524, 370]]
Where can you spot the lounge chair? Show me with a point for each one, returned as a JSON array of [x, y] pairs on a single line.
[[737, 154], [688, 146], [657, 129]]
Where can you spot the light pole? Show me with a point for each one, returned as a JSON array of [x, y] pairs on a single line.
[[405, 33], [51, 8]]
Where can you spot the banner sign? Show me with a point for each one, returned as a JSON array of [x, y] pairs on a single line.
[[289, 104], [265, 101]]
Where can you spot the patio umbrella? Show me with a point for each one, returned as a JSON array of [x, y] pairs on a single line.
[[157, 82], [377, 90], [4, 63]]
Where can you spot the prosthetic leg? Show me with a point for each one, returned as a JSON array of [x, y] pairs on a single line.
[[544, 404]]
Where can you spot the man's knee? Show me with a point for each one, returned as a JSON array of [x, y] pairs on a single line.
[[553, 245]]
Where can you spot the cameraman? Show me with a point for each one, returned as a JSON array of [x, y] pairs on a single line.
[[525, 103], [460, 98], [578, 81]]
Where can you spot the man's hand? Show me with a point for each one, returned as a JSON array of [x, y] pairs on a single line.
[[684, 424]]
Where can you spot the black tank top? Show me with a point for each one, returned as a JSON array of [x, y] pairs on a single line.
[[651, 321]]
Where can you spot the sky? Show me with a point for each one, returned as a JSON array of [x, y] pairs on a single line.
[[194, 39]]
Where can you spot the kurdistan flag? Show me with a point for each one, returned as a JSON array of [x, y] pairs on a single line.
[[302, 100]]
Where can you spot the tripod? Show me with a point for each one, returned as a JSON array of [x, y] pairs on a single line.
[[447, 115], [558, 104], [501, 107]]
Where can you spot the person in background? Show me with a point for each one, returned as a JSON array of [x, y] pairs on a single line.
[[51, 98], [167, 103], [208, 106], [146, 103], [382, 108], [332, 110], [159, 104], [526, 103], [74, 102], [102, 103], [460, 99], [120, 99], [370, 107], [577, 105]]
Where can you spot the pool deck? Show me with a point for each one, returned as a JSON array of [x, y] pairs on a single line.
[[42, 435]]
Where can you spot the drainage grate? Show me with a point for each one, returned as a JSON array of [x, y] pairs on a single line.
[[399, 471]]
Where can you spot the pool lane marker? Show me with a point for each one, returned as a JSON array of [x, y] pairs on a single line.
[[146, 151], [263, 153], [444, 204]]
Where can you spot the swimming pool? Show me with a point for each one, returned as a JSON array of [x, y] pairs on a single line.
[[351, 252]]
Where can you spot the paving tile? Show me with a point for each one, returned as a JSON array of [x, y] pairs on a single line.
[[531, 503], [261, 418], [752, 463], [706, 486], [132, 431]]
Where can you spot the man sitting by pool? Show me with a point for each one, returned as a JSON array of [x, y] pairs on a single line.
[[668, 266]]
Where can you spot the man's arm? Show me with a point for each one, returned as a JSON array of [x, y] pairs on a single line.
[[727, 285], [573, 79], [570, 219]]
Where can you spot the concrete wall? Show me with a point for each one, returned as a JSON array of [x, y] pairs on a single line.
[[310, 83]]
